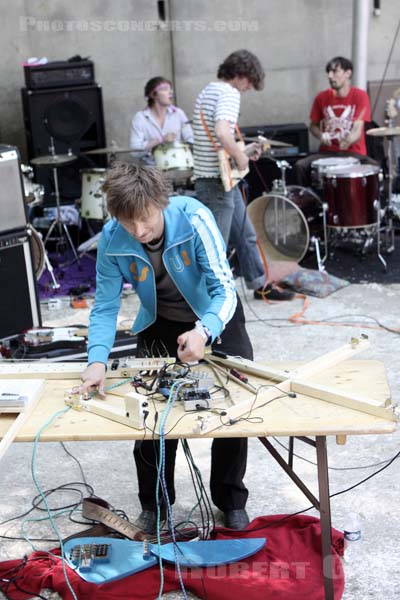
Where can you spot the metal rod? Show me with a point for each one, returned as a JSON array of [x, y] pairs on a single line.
[[325, 516], [285, 466]]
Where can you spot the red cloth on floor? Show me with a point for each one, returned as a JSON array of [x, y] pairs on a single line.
[[289, 567]]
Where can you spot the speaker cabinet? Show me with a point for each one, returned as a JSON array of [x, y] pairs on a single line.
[[12, 202], [295, 134], [19, 305], [73, 116]]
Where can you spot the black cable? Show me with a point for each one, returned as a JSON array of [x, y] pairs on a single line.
[[382, 462], [267, 322]]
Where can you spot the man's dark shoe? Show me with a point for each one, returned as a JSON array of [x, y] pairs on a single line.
[[271, 293], [236, 519], [147, 521]]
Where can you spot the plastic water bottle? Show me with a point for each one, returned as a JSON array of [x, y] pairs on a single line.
[[352, 537]]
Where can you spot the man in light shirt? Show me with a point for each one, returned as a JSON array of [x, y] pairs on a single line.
[[160, 121]]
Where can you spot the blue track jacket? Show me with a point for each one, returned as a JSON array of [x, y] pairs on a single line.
[[194, 256]]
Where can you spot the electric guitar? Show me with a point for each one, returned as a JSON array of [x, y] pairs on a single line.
[[102, 559], [230, 174]]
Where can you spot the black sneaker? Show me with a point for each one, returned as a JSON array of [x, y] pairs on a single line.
[[236, 519], [271, 293], [147, 521]]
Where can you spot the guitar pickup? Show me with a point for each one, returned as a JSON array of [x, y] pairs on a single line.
[[86, 556]]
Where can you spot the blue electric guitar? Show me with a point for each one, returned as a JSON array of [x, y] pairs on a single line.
[[102, 559]]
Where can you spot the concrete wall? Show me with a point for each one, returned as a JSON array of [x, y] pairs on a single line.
[[293, 38]]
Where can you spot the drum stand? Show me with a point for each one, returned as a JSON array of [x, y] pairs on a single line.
[[389, 230], [280, 187], [56, 161], [58, 222]]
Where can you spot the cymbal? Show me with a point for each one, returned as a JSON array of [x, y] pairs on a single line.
[[53, 159], [112, 150], [264, 140], [384, 131]]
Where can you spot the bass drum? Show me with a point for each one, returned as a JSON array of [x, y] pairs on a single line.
[[38, 252], [286, 224]]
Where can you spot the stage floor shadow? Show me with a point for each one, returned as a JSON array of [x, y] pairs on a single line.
[[349, 263]]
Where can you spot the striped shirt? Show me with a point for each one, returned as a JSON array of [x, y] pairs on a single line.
[[219, 101]]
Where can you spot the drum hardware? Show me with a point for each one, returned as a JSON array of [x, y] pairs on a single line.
[[329, 164], [56, 161], [389, 133], [53, 160]]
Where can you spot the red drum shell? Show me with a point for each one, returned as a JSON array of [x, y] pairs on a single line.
[[351, 194]]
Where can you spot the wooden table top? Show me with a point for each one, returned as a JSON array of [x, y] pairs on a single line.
[[302, 415]]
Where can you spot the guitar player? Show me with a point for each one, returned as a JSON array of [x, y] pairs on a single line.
[[215, 119]]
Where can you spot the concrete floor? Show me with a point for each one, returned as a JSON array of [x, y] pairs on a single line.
[[374, 574]]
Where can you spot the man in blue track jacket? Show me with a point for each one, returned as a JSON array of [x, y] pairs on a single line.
[[171, 251]]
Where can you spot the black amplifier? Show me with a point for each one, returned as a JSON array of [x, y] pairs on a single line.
[[59, 74]]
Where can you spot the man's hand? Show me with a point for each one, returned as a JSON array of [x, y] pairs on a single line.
[[254, 150], [169, 137], [191, 346], [242, 160], [93, 378], [326, 139]]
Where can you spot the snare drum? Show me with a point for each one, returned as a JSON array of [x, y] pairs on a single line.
[[33, 192], [330, 164], [93, 199], [173, 156], [286, 224], [352, 195]]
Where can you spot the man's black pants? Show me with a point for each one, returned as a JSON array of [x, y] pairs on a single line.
[[228, 455]]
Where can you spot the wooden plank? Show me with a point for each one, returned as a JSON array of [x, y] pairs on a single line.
[[225, 372], [307, 370], [18, 423], [250, 367], [73, 370], [330, 359], [353, 401], [207, 424]]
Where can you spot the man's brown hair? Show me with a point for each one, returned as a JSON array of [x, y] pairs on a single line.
[[132, 191], [242, 63]]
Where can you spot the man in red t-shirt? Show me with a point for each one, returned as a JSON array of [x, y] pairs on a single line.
[[337, 119]]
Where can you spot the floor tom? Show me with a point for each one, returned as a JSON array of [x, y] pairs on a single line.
[[330, 164], [352, 195]]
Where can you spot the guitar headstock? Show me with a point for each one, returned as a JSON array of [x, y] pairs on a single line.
[[265, 144]]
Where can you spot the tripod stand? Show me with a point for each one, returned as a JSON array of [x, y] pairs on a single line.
[[56, 160]]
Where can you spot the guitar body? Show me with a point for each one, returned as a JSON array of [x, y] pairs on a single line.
[[103, 559], [230, 175]]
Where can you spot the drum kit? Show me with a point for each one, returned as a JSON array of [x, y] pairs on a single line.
[[174, 159], [343, 207]]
